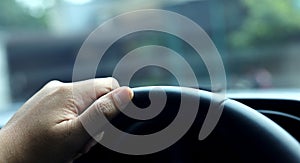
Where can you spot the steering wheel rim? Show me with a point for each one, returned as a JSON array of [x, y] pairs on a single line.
[[242, 134]]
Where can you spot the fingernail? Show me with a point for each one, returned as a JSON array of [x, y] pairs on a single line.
[[122, 97]]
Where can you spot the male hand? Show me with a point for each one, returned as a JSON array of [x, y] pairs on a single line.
[[48, 128]]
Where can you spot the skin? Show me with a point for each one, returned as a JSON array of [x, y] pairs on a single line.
[[48, 128]]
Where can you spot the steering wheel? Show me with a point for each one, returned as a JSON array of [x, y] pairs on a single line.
[[241, 135]]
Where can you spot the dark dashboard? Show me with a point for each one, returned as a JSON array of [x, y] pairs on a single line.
[[281, 106]]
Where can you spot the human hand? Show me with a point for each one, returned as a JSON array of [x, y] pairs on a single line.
[[48, 128]]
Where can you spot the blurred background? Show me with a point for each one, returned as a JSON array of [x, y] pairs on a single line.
[[259, 42]]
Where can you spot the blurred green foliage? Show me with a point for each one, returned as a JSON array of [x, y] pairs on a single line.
[[13, 17], [268, 21]]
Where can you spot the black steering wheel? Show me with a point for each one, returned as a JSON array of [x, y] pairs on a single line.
[[241, 135]]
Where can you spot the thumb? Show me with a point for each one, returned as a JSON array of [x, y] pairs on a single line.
[[106, 107]]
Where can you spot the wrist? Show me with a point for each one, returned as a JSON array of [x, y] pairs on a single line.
[[6, 154], [3, 150]]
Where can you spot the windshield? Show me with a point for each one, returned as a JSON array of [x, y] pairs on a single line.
[[258, 42]]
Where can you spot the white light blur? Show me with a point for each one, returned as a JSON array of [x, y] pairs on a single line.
[[78, 2], [36, 4]]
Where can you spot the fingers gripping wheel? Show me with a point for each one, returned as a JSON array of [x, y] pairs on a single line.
[[241, 135]]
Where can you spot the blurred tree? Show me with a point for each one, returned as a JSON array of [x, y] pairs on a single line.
[[268, 21], [14, 16]]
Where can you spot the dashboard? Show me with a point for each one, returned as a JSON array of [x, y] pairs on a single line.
[[281, 106]]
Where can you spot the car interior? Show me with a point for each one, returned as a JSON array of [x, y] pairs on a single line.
[[258, 42]]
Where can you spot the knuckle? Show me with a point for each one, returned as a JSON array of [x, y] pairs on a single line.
[[105, 107], [54, 83], [112, 79], [58, 87]]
